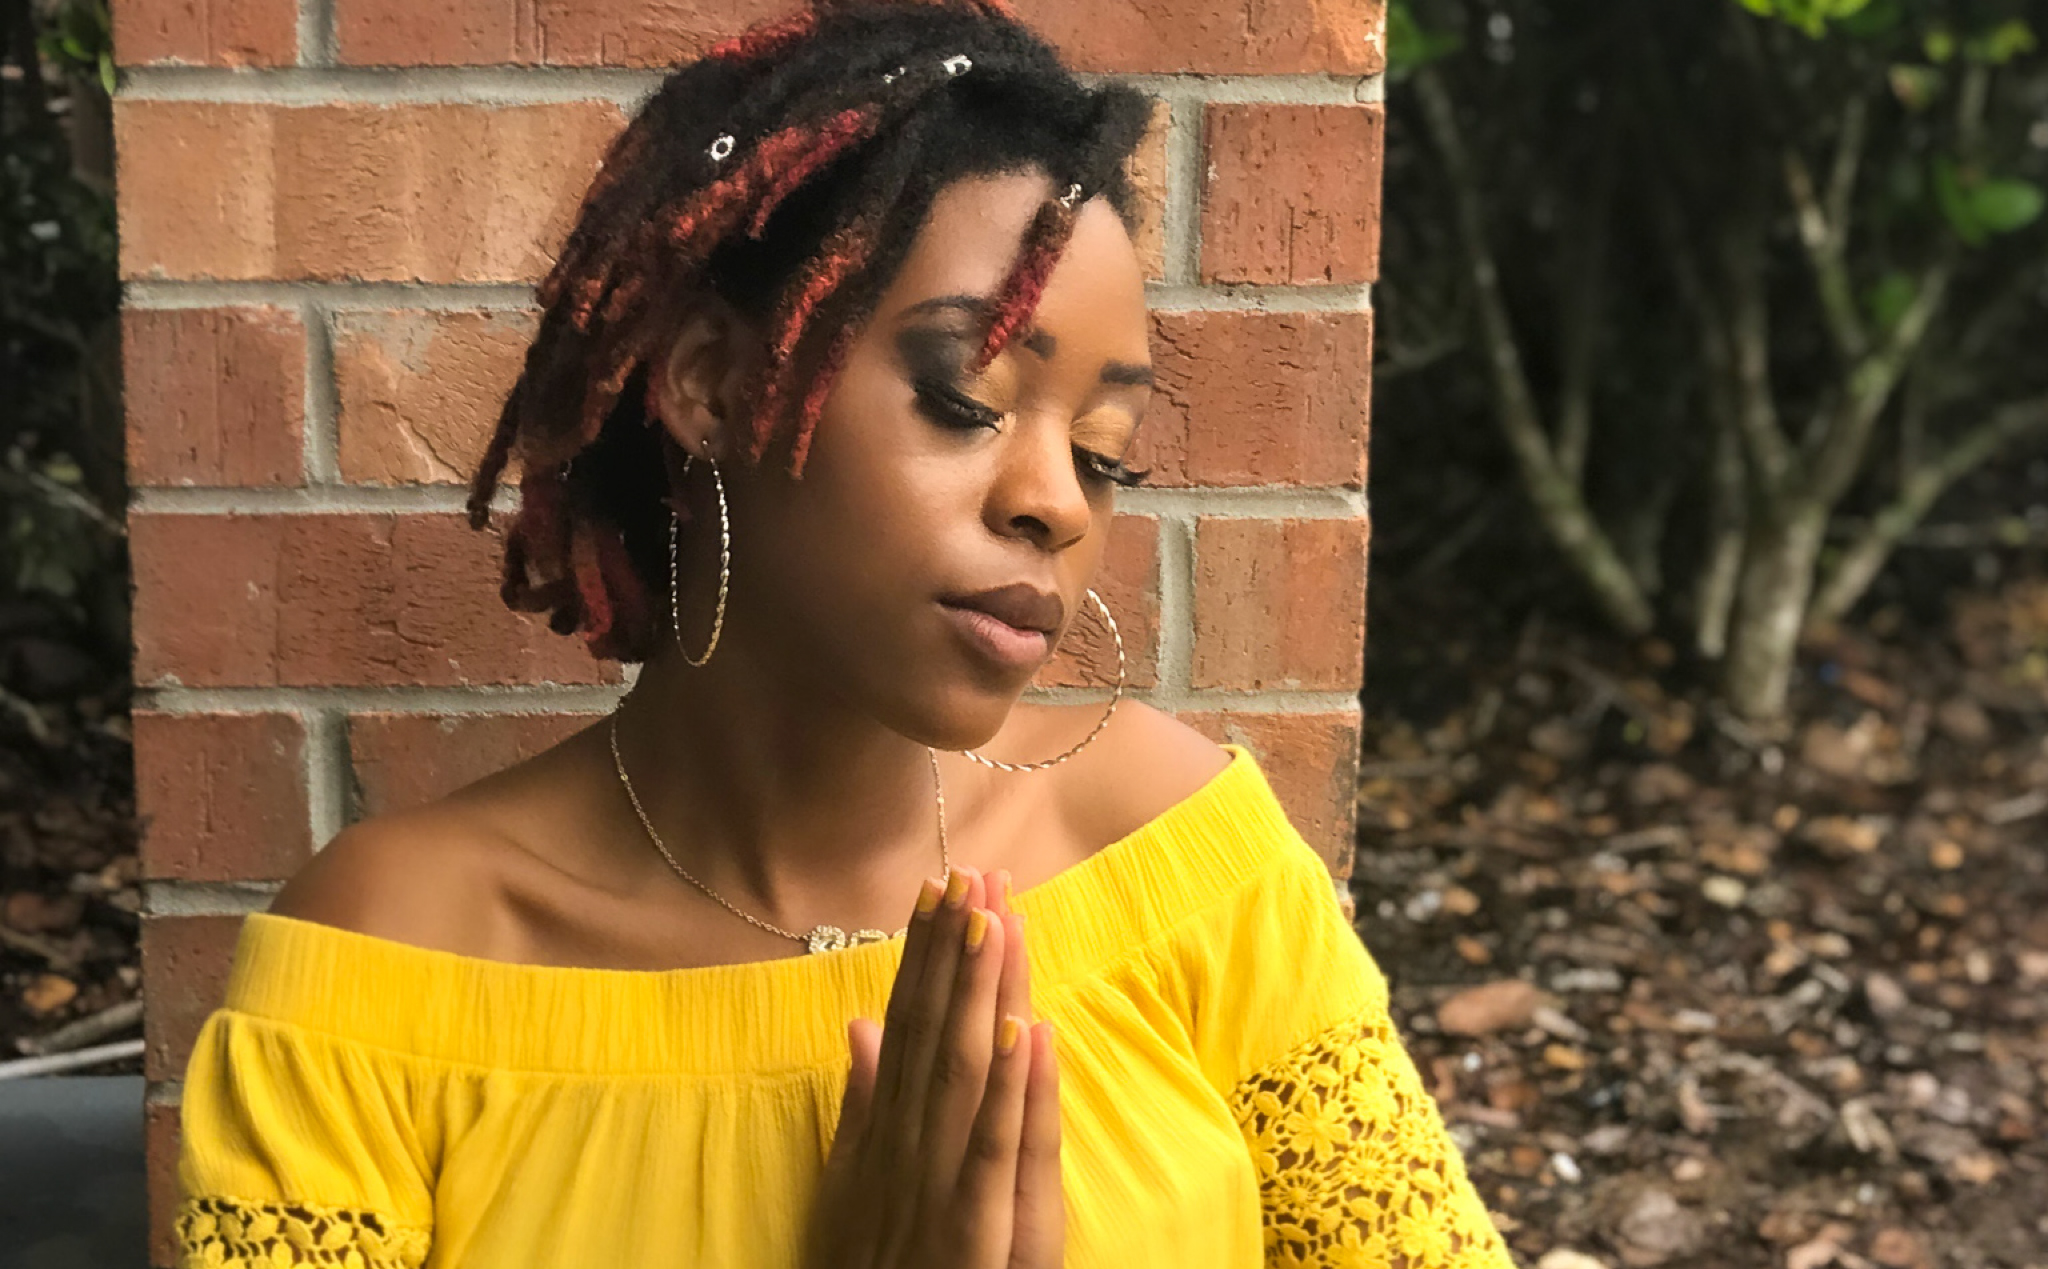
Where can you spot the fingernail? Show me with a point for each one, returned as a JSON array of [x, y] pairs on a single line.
[[956, 888], [977, 927], [1006, 1038], [928, 896], [1009, 896]]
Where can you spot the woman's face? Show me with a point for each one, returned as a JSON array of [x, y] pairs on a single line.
[[928, 487]]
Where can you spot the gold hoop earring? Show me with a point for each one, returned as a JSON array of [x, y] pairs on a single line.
[[1100, 723], [675, 620]]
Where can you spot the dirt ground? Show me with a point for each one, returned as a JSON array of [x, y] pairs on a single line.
[[1691, 994]]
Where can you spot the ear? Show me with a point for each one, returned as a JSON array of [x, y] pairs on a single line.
[[699, 386]]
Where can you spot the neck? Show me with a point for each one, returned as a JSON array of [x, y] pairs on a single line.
[[790, 806]]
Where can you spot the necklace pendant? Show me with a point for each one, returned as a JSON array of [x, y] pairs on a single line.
[[830, 938]]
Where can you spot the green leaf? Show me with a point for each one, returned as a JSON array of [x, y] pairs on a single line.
[[1940, 45], [2004, 206], [2003, 43], [1876, 20], [1916, 87], [1955, 205], [1888, 301], [107, 72], [1410, 47]]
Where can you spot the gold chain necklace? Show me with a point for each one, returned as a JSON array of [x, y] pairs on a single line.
[[823, 938]]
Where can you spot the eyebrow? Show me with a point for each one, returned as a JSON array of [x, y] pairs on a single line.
[[1035, 340]]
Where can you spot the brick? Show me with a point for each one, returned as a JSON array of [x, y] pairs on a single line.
[[1279, 603], [1147, 172], [1128, 582], [420, 391], [348, 599], [1258, 399], [1291, 194], [160, 1141], [221, 797], [215, 396], [1279, 37], [430, 193], [206, 32], [1311, 760], [407, 760], [185, 962]]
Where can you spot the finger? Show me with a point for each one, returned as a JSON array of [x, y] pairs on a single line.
[[961, 1066], [988, 1172], [1013, 991], [864, 1041], [838, 1218], [927, 929], [928, 1009], [1039, 1240], [905, 1073]]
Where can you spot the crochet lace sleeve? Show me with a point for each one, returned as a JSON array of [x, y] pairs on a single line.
[[1355, 1167], [217, 1232]]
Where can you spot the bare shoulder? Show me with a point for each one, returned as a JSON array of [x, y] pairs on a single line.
[[424, 876], [1148, 763]]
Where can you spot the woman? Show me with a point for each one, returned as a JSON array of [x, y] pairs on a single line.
[[855, 299]]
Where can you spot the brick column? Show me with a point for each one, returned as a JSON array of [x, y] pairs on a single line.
[[332, 212]]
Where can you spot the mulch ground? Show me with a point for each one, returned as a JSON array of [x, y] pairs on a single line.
[[1693, 994]]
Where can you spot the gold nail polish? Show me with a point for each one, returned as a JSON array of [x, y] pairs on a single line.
[[1006, 1038], [956, 888], [928, 896], [1009, 896], [977, 927]]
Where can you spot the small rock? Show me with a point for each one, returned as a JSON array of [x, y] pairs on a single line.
[[1656, 1228], [1505, 1005], [1566, 1258], [47, 993], [1658, 783], [1725, 892], [1897, 1248], [1965, 720], [1885, 996]]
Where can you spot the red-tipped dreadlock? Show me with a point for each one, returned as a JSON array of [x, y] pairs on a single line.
[[788, 172], [1018, 296]]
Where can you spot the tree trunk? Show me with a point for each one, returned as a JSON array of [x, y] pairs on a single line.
[[1721, 566], [1770, 610]]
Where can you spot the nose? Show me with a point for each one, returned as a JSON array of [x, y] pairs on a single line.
[[1037, 493]]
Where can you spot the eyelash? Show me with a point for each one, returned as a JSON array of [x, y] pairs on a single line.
[[953, 408]]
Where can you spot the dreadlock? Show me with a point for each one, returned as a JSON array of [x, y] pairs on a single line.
[[786, 172]]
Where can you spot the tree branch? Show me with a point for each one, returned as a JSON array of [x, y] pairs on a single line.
[[1557, 498], [1838, 446], [1859, 565], [1824, 229]]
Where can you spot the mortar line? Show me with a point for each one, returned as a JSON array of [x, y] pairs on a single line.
[[335, 297], [327, 808], [552, 700], [316, 33], [323, 410], [162, 898], [1182, 218], [1312, 502], [1177, 596], [317, 81], [1182, 249]]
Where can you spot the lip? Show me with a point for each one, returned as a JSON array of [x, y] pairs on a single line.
[[996, 639], [1012, 626], [1020, 606]]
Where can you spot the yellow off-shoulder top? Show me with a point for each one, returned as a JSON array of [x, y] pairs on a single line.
[[1233, 1093]]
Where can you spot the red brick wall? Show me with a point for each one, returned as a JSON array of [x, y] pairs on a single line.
[[332, 212]]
